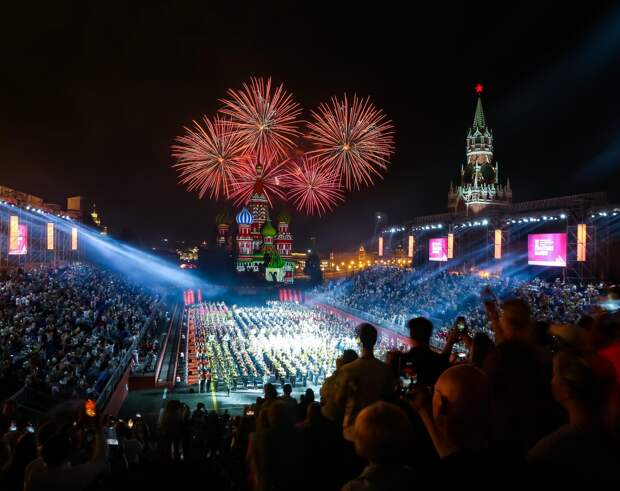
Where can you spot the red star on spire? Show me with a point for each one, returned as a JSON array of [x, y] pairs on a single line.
[[479, 89]]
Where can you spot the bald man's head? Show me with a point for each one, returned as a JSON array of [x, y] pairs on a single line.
[[461, 404]]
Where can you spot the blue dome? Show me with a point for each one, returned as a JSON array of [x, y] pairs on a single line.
[[244, 217]]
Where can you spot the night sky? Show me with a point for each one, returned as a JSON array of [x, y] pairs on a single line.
[[94, 93]]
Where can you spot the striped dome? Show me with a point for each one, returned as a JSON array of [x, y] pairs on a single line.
[[244, 217]]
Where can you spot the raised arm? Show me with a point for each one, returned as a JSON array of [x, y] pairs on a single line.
[[420, 401]]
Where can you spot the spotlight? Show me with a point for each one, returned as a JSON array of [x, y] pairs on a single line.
[[485, 222]]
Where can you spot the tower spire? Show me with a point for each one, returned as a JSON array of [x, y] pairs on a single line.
[[479, 120]]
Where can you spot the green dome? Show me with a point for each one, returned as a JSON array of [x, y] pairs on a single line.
[[268, 230]]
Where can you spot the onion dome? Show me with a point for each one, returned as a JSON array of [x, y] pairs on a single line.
[[268, 230], [223, 218], [284, 217], [244, 217]]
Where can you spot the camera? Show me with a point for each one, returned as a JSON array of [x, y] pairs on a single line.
[[407, 384], [402, 366]]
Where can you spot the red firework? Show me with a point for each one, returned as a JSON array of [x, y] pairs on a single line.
[[260, 175], [206, 157], [312, 187], [267, 119], [356, 140]]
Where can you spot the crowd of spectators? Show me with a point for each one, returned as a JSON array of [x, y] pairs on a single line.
[[65, 330], [534, 399], [393, 295]]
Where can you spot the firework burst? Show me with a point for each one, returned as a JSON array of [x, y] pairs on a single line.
[[206, 157], [355, 139], [313, 188], [261, 175], [267, 118]]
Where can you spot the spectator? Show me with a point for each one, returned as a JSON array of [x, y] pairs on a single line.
[[214, 434], [362, 382], [55, 471], [305, 400], [420, 361], [271, 396], [327, 396], [290, 401], [458, 419], [513, 323], [480, 348], [519, 371], [12, 476], [583, 448], [171, 430], [131, 446], [383, 436], [277, 450]]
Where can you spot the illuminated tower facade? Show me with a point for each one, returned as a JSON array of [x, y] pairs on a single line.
[[284, 239], [258, 205], [96, 220], [361, 254], [268, 232], [95, 216], [223, 222], [480, 185]]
